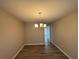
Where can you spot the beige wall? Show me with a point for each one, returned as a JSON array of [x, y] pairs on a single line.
[[33, 36], [11, 35], [65, 34]]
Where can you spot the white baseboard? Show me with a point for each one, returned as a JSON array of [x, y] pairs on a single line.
[[34, 44], [23, 47], [62, 50], [18, 52]]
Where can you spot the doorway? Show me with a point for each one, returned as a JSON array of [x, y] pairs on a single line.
[[47, 35]]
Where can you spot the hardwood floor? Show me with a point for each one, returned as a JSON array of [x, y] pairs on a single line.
[[41, 52]]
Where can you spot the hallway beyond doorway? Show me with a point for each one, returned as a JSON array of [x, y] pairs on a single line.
[[47, 35], [41, 52]]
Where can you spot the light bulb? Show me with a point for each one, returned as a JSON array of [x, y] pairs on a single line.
[[45, 25], [36, 25], [41, 24]]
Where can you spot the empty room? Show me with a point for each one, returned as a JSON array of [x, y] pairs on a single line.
[[38, 29]]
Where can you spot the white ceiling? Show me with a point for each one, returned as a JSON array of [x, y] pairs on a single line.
[[28, 10]]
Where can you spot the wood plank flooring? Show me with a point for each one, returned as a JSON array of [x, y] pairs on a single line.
[[41, 52]]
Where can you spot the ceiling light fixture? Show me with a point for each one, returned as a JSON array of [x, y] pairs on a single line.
[[40, 24]]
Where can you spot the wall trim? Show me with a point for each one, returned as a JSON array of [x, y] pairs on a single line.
[[40, 44], [61, 50], [18, 52], [35, 44], [23, 47]]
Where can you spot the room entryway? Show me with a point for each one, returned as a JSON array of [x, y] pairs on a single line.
[[47, 35]]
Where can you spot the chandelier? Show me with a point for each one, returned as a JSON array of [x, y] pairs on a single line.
[[41, 24]]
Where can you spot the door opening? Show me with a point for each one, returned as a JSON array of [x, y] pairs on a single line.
[[47, 35]]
